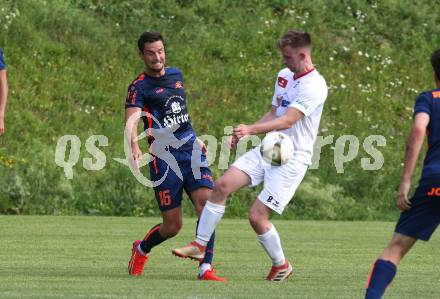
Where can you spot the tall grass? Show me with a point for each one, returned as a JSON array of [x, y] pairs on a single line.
[[70, 64]]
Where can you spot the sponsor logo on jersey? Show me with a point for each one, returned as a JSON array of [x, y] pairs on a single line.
[[285, 103], [175, 103], [282, 82], [159, 90], [436, 94], [175, 107], [178, 85], [302, 103], [176, 114], [279, 100], [434, 192], [170, 121]]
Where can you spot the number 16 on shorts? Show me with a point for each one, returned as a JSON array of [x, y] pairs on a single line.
[[165, 198]]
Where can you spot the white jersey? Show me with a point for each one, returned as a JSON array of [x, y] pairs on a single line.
[[307, 94]]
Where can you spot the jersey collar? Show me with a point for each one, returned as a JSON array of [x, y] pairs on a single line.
[[296, 77]]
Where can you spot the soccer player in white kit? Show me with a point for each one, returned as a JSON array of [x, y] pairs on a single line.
[[297, 104]]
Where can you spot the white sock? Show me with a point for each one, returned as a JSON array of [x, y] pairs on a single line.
[[203, 268], [211, 215], [271, 242]]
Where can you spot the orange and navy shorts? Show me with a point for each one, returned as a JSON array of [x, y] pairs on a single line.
[[169, 192], [422, 219]]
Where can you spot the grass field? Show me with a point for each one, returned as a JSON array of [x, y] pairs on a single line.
[[86, 257]]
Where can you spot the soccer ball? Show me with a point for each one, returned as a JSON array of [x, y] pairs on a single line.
[[276, 148]]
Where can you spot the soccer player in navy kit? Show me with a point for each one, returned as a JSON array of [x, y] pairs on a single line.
[[421, 215], [3, 92], [160, 93]]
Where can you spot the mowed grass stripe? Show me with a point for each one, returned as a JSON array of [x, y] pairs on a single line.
[[86, 257]]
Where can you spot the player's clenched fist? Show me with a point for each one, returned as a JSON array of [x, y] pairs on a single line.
[[241, 131]]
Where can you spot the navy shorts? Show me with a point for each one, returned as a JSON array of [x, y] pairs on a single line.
[[421, 220], [169, 192]]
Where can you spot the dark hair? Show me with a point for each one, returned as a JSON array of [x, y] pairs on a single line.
[[295, 39], [148, 37], [435, 61]]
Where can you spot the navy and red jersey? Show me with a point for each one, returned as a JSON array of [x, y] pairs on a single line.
[[164, 98], [2, 60], [429, 102]]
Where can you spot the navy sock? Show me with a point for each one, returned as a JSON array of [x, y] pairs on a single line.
[[153, 238], [209, 253], [381, 276]]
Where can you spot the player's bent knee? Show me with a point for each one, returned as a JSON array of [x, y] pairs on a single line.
[[199, 204], [221, 187], [255, 218], [260, 224], [172, 232], [171, 229]]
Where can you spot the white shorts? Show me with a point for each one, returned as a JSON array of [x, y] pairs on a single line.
[[280, 182]]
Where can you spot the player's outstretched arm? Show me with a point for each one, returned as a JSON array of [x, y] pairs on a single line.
[[413, 147], [285, 121]]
